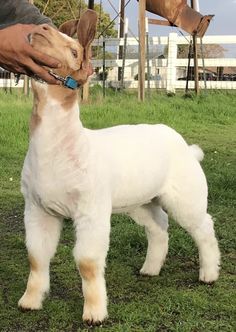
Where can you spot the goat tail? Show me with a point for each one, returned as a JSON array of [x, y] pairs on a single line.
[[197, 152]]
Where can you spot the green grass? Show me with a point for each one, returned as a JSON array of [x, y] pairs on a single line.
[[173, 301]]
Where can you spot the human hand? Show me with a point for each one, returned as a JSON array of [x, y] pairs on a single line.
[[18, 56]]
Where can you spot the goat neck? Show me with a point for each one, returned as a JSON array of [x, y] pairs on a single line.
[[53, 106], [56, 130]]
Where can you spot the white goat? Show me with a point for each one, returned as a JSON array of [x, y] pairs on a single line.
[[87, 175]]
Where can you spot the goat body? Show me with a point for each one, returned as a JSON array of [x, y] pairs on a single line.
[[83, 174], [145, 171]]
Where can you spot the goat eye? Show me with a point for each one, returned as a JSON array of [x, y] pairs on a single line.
[[74, 52]]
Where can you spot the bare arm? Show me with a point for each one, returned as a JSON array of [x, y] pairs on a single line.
[[16, 54]]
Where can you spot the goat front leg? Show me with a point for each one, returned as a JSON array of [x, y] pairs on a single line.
[[90, 255], [42, 235]]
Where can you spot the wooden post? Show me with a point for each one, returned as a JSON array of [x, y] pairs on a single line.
[[195, 49], [203, 64], [26, 78], [197, 8], [86, 91], [141, 74], [26, 85]]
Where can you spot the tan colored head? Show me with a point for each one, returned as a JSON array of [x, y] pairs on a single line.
[[74, 55]]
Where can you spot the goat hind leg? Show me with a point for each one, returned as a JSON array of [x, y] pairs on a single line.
[[192, 216], [42, 235], [209, 254], [155, 221]]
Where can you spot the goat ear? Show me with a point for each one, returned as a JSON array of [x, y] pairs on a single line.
[[86, 28], [69, 27]]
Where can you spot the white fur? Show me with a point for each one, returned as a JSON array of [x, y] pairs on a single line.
[[70, 171], [197, 152]]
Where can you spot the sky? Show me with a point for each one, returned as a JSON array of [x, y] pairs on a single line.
[[224, 22]]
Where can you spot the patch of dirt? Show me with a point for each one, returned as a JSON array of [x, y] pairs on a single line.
[[12, 220]]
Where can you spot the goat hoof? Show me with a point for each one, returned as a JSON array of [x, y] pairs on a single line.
[[91, 323], [151, 272], [27, 303], [95, 317], [22, 309], [209, 276]]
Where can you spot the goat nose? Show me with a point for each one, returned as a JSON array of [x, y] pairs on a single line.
[[45, 27], [42, 29]]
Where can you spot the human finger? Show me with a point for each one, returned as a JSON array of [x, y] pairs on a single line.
[[42, 73], [42, 58], [14, 69]]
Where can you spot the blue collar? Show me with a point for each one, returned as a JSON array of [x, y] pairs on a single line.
[[68, 81]]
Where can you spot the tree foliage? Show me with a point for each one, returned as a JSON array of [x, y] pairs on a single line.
[[209, 51], [63, 10]]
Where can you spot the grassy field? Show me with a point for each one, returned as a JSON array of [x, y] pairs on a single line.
[[175, 300]]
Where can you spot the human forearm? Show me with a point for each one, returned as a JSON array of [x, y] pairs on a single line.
[[20, 11]]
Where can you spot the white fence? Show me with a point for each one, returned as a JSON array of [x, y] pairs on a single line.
[[168, 68]]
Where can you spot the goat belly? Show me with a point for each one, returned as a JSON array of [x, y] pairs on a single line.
[[137, 187], [136, 160]]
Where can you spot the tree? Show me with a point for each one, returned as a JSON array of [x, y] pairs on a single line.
[[209, 51], [63, 10], [212, 51]]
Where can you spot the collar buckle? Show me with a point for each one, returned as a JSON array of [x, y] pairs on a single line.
[[68, 81], [71, 83]]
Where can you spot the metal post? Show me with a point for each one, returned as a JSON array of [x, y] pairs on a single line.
[[85, 93], [91, 4], [124, 53], [190, 53], [104, 67], [121, 34], [148, 58], [195, 48], [141, 75], [195, 64]]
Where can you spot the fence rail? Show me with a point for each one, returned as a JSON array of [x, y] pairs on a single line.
[[131, 41], [166, 73]]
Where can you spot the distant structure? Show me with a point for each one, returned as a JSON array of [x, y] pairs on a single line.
[[179, 14]]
